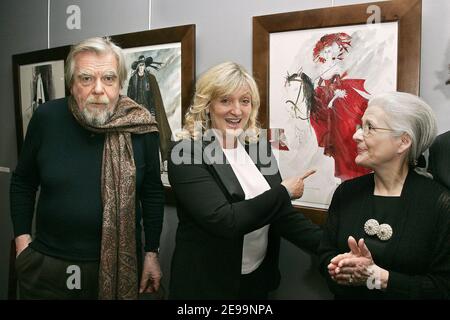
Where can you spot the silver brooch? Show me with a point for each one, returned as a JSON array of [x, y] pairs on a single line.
[[383, 231]]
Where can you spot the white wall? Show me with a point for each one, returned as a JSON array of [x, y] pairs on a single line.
[[436, 59]]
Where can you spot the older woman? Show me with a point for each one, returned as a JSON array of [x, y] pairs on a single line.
[[231, 203], [400, 218]]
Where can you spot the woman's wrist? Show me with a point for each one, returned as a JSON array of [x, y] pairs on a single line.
[[384, 275], [378, 277]]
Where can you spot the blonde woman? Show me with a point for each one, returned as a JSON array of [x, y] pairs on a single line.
[[231, 202]]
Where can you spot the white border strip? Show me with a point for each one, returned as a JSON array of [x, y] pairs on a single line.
[[48, 24], [149, 14]]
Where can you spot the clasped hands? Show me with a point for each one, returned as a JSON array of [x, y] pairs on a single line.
[[354, 268]]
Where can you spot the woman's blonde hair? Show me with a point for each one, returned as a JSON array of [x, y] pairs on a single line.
[[218, 81]]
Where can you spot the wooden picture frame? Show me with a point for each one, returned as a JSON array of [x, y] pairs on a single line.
[[37, 76], [405, 14], [169, 54]]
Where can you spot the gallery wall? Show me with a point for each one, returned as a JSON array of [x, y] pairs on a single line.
[[223, 32]]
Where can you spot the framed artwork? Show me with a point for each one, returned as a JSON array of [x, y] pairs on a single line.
[[38, 77], [161, 75], [316, 71]]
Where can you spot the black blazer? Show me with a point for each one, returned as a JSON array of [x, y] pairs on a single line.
[[214, 217], [440, 159]]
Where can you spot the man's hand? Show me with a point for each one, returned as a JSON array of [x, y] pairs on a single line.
[[151, 273], [22, 243]]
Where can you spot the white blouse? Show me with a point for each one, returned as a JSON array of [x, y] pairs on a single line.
[[253, 183]]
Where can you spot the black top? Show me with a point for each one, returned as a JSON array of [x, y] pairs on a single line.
[[417, 255], [65, 160], [387, 210], [214, 217]]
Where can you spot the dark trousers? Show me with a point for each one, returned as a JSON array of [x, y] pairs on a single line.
[[253, 286], [43, 277]]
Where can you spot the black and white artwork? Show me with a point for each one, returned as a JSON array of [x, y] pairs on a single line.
[[39, 83]]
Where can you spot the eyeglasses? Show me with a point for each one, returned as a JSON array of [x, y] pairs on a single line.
[[368, 129]]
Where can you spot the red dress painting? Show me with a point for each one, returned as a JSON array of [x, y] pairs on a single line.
[[338, 106], [334, 124]]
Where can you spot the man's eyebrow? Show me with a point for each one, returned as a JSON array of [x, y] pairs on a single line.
[[110, 72], [84, 73], [89, 73]]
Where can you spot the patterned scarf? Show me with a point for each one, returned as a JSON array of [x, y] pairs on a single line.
[[118, 277]]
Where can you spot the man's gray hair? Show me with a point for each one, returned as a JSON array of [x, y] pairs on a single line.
[[97, 45], [407, 113]]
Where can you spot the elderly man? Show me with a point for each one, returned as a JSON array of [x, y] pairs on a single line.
[[95, 157]]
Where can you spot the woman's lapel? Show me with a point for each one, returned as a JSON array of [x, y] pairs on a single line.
[[215, 157]]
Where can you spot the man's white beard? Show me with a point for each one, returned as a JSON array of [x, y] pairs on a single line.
[[97, 118]]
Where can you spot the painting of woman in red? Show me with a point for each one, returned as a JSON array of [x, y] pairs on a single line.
[[338, 106]]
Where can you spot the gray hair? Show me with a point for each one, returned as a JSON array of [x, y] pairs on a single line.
[[407, 113], [97, 45]]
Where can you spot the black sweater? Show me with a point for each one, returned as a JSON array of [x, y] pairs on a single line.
[[418, 254], [65, 160]]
